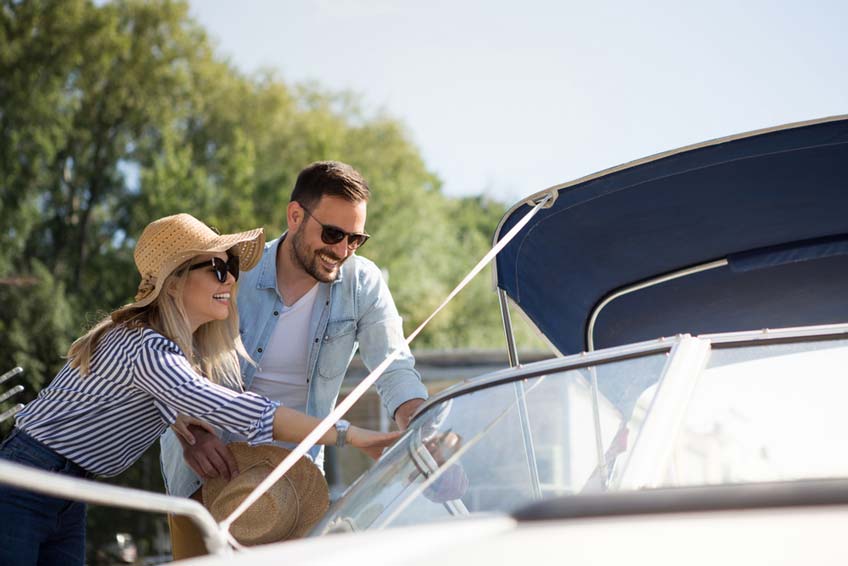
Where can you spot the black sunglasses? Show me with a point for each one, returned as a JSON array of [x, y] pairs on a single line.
[[221, 267], [332, 235]]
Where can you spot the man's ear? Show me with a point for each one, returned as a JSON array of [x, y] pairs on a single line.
[[294, 216]]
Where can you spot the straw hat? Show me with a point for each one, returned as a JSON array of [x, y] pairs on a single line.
[[168, 242], [286, 511]]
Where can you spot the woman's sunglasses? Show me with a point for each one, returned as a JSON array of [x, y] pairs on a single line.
[[221, 267], [332, 235]]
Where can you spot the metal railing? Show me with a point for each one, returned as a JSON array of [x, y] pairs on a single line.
[[48, 483], [11, 393]]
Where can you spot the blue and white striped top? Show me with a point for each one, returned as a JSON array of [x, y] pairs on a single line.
[[139, 381]]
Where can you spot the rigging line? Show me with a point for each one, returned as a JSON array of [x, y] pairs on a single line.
[[312, 438]]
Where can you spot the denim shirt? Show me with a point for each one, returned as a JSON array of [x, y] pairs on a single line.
[[355, 310]]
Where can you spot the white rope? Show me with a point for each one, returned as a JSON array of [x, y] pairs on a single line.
[[337, 413]]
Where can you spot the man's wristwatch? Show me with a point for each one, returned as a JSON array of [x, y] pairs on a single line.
[[342, 426]]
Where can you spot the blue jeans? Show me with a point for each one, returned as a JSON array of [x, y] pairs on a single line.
[[38, 529]]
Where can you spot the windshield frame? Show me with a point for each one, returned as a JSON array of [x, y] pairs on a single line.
[[565, 363], [618, 353]]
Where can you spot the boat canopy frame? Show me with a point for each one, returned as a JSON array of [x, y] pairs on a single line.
[[707, 238]]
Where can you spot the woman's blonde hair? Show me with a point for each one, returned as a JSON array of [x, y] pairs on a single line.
[[213, 350]]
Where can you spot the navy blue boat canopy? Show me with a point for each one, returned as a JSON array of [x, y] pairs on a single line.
[[773, 203]]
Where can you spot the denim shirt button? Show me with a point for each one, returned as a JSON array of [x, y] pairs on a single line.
[[259, 350], [276, 313]]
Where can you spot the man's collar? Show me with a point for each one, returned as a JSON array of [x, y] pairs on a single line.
[[268, 274]]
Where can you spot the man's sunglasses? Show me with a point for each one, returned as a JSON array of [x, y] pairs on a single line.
[[220, 267], [332, 235]]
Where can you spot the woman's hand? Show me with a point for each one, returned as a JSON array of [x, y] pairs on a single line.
[[182, 423], [370, 441]]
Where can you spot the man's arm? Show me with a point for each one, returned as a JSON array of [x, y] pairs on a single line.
[[404, 413], [379, 331], [208, 457]]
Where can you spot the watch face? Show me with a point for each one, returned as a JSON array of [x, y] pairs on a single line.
[[341, 432]]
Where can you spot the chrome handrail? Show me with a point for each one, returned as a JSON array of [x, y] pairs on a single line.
[[48, 483]]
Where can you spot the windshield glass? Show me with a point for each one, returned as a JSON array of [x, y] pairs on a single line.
[[749, 413], [765, 413], [496, 448]]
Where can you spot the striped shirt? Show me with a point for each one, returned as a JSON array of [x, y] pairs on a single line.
[[139, 381]]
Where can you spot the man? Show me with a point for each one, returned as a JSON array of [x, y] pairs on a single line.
[[302, 312]]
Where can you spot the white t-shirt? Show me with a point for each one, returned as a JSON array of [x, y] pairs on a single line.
[[281, 374]]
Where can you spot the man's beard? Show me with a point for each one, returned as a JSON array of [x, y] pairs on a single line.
[[309, 262]]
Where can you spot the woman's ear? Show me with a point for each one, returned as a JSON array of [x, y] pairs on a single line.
[[172, 287]]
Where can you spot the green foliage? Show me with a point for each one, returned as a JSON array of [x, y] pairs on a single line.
[[36, 325], [112, 115]]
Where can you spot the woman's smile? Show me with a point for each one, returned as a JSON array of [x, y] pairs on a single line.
[[204, 297]]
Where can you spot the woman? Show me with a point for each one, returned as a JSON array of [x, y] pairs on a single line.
[[137, 371]]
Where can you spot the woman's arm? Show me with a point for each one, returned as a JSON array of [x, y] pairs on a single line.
[[165, 373], [210, 458], [294, 426]]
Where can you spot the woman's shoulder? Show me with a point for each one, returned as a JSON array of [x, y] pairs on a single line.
[[149, 339], [130, 342], [154, 339]]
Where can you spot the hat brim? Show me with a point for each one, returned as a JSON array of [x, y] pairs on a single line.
[[304, 475], [249, 246]]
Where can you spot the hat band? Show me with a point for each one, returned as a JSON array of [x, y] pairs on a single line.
[[147, 286]]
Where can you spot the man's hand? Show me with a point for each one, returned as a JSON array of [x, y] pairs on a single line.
[[453, 482], [443, 445], [404, 413], [208, 456]]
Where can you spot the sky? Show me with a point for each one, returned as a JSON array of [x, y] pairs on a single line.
[[507, 98]]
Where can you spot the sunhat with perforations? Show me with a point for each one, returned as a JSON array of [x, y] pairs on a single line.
[[286, 511], [167, 243]]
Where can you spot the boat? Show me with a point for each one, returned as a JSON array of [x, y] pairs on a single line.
[[691, 408], [694, 301]]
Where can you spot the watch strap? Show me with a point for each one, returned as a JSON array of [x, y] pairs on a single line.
[[342, 426]]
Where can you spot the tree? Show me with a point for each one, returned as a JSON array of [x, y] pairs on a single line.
[[35, 332], [115, 114]]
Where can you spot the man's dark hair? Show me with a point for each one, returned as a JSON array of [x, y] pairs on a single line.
[[330, 178]]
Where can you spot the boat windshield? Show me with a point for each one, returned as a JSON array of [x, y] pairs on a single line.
[[768, 412], [741, 413]]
